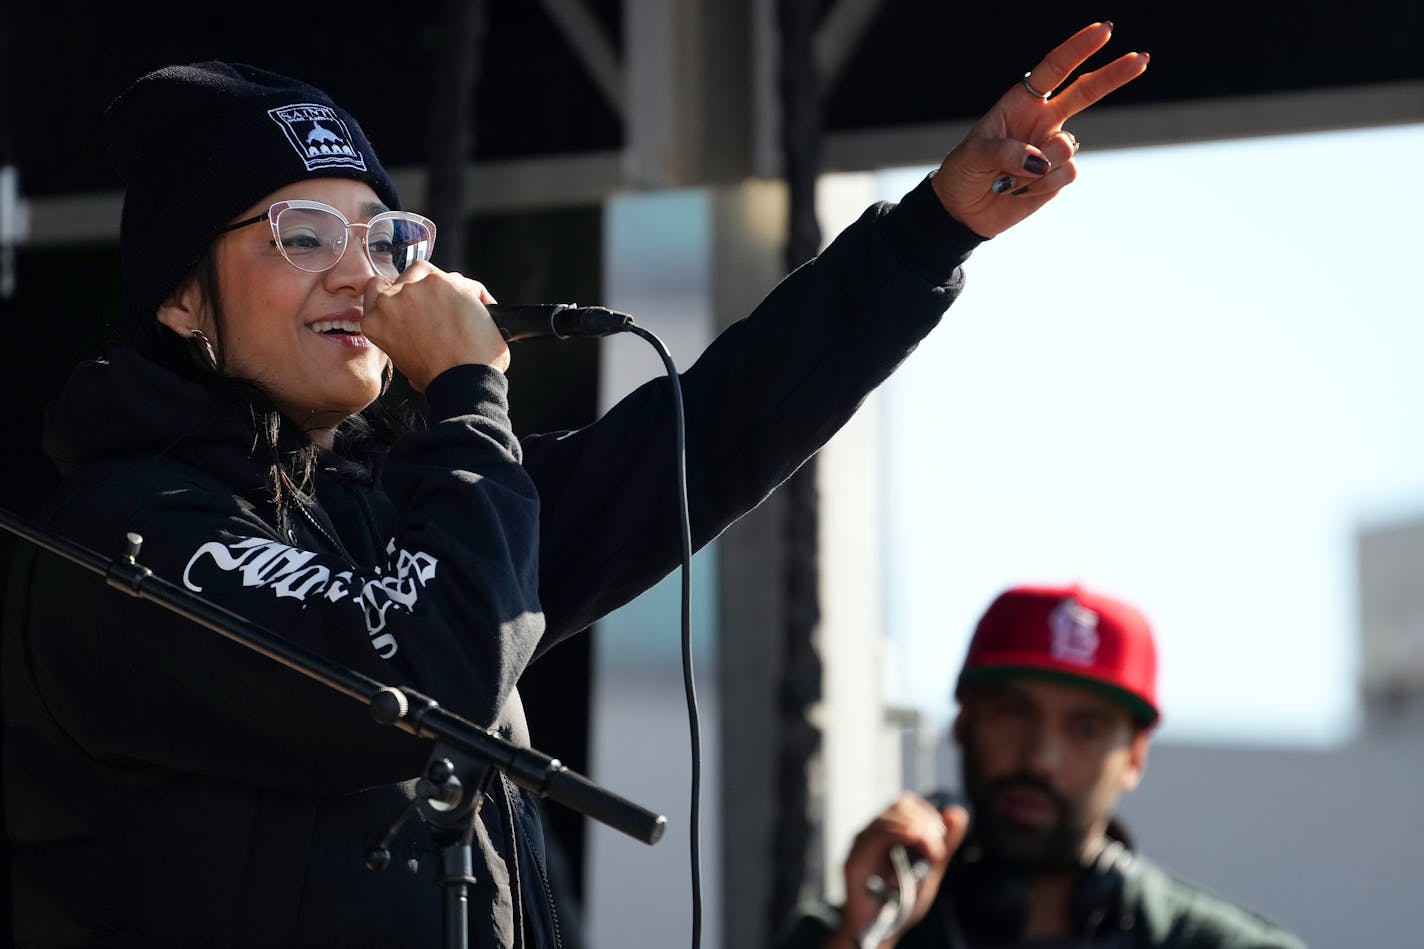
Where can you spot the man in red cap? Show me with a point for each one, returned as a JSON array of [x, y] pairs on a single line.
[[1058, 699]]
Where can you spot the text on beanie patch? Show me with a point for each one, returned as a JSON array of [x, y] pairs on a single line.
[[319, 136]]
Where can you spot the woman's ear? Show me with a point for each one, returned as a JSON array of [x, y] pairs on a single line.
[[183, 311]]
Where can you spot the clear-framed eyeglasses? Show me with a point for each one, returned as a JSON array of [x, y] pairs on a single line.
[[313, 236]]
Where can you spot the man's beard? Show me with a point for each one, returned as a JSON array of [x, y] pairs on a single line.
[[1031, 849]]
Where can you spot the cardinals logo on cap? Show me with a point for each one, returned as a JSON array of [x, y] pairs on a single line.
[[1075, 633], [1063, 631], [319, 136]]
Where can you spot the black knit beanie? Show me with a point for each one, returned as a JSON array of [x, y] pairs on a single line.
[[198, 144]]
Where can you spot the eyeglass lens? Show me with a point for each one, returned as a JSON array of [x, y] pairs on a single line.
[[314, 239]]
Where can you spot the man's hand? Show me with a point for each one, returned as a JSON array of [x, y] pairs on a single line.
[[927, 834]]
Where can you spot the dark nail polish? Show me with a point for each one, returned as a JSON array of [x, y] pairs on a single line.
[[1001, 184], [1108, 24], [1035, 164], [1023, 190]]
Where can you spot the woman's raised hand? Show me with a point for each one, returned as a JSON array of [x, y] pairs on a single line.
[[1018, 156]]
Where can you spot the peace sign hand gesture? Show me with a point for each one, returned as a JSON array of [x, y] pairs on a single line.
[[1018, 156]]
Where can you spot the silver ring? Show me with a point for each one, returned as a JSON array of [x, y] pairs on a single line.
[[1031, 90], [1072, 139]]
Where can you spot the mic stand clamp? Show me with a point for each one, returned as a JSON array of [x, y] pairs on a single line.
[[448, 797]]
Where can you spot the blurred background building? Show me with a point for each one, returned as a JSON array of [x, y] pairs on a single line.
[[1192, 380]]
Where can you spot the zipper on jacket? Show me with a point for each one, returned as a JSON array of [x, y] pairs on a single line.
[[548, 897], [518, 837], [336, 545], [511, 837]]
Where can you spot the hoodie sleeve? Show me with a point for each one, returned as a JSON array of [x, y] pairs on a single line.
[[763, 397], [452, 611]]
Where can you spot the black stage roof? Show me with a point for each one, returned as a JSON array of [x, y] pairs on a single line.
[[919, 61]]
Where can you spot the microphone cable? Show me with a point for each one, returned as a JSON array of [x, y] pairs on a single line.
[[680, 438], [569, 320]]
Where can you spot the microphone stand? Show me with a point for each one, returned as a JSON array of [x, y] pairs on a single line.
[[465, 755]]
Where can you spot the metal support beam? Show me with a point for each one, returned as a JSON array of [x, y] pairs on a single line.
[[1166, 123], [689, 65], [588, 39], [589, 178], [839, 34]]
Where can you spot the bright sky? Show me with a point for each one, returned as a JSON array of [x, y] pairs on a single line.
[[1189, 381]]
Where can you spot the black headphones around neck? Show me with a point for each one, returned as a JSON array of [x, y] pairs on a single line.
[[989, 899]]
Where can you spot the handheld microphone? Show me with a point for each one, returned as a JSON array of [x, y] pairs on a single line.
[[895, 904], [560, 320]]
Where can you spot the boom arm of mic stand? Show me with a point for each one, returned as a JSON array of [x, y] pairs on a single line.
[[402, 708], [530, 769]]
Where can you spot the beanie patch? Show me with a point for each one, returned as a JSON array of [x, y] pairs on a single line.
[[319, 136]]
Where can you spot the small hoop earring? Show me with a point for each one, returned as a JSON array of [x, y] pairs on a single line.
[[199, 339]]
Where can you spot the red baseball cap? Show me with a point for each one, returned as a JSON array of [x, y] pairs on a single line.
[[1070, 634]]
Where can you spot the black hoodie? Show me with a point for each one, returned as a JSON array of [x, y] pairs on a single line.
[[168, 787]]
